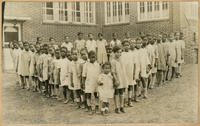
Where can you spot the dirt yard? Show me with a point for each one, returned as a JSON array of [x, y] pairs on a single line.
[[174, 102]]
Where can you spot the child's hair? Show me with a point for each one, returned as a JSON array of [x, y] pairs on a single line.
[[116, 49], [73, 49], [79, 33], [83, 49], [57, 51], [138, 39], [125, 41], [91, 53], [100, 34], [106, 63], [25, 43], [61, 48]]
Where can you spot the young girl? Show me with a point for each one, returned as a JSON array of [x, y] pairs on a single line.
[[67, 43], [37, 67], [101, 49], [25, 64], [80, 42], [161, 60], [32, 67], [15, 60], [50, 70], [144, 66], [40, 60], [91, 71], [128, 61], [56, 73], [105, 87], [76, 77], [120, 79], [65, 73], [91, 44], [115, 41], [45, 68]]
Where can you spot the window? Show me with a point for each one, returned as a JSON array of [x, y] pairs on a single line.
[[116, 12], [65, 12], [191, 10], [148, 11]]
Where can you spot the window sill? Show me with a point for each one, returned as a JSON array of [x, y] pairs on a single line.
[[115, 24], [152, 20], [67, 23]]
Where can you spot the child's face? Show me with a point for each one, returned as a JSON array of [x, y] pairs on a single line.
[[90, 36], [171, 38], [132, 46], [16, 46], [100, 37], [74, 55], [106, 69], [26, 46], [92, 58], [66, 39], [63, 53], [83, 55], [118, 54], [127, 35], [51, 51], [57, 54], [32, 48], [114, 36], [37, 47], [177, 36], [126, 46], [80, 36], [138, 44], [21, 45]]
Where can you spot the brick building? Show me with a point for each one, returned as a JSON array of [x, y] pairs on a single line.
[[27, 20]]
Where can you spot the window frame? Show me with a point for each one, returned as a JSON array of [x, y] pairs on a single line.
[[111, 16], [70, 10], [157, 14]]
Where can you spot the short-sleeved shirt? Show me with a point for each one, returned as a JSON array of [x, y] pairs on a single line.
[[91, 45], [91, 71], [68, 45]]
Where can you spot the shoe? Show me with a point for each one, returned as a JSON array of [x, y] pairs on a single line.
[[117, 110], [66, 101], [122, 110], [145, 97], [130, 104]]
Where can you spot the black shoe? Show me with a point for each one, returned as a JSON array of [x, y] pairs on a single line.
[[122, 110], [117, 110]]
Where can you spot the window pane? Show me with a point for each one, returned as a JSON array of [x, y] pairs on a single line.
[[65, 5], [49, 4], [77, 6], [49, 11]]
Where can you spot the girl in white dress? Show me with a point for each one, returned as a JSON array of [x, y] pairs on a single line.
[[91, 71], [128, 61], [75, 72], [105, 87], [32, 67], [91, 44], [101, 49]]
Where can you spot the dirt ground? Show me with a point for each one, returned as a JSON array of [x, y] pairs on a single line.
[[175, 102]]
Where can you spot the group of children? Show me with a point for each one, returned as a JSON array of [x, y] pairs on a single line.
[[91, 73]]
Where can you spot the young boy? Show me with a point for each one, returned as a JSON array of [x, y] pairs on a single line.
[[91, 44], [25, 64], [120, 80], [91, 71]]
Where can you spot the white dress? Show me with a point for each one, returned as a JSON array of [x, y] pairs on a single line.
[[144, 62], [75, 70], [64, 72], [106, 90], [178, 48], [91, 71], [115, 43], [172, 54], [137, 64], [32, 64], [182, 47], [91, 45], [68, 45]]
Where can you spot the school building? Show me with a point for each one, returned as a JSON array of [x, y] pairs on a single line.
[[27, 20]]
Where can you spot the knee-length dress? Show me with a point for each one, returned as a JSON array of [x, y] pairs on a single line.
[[91, 71], [25, 61], [101, 51], [172, 54], [32, 64], [65, 72], [161, 57], [56, 71], [75, 70], [45, 67], [106, 90], [118, 69]]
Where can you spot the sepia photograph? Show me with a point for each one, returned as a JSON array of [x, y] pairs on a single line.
[[99, 62]]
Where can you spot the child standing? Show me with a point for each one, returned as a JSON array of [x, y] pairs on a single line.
[[67, 43], [76, 77], [91, 71], [32, 67], [50, 70], [115, 41], [25, 64], [105, 88], [37, 67], [128, 61], [101, 49], [80, 42], [64, 73], [120, 79], [56, 73], [91, 44]]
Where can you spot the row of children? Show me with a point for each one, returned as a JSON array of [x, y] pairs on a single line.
[[91, 73]]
